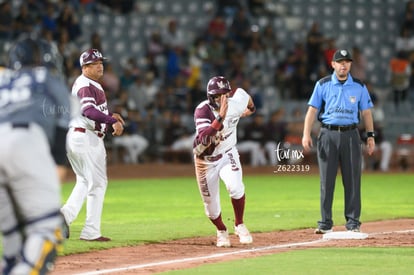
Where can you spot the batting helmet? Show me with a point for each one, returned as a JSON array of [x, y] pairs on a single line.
[[217, 85], [91, 56]]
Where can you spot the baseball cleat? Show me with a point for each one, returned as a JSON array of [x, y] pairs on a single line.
[[244, 235], [323, 231], [100, 239], [223, 239], [65, 228]]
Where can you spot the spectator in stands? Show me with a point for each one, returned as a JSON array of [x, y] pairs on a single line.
[[359, 64], [329, 51], [173, 37], [405, 40], [228, 7], [137, 99], [315, 42], [400, 69], [132, 139], [156, 48], [293, 138], [176, 135], [110, 81], [197, 94], [217, 28], [198, 65], [256, 56], [150, 87], [271, 47], [383, 152], [276, 131], [67, 20], [240, 28], [6, 21], [130, 71], [216, 57], [49, 18], [24, 21], [253, 140]]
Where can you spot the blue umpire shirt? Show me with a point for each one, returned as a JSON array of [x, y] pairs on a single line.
[[339, 104]]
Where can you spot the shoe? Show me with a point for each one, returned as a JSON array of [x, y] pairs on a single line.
[[223, 239], [243, 233], [100, 239], [354, 229], [323, 231], [65, 228]]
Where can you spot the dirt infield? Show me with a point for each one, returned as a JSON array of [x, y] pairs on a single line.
[[191, 252]]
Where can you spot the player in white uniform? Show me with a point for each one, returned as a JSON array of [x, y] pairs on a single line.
[[85, 147], [216, 155]]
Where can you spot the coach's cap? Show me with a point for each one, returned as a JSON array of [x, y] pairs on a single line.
[[342, 55], [90, 56]]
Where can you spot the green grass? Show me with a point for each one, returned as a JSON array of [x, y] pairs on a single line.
[[317, 261], [141, 211]]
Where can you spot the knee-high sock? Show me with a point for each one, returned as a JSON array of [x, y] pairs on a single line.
[[238, 207], [218, 222]]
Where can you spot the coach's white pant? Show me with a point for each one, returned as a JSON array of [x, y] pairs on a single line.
[[87, 155]]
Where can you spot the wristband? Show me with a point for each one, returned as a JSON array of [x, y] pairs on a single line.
[[371, 134], [219, 118]]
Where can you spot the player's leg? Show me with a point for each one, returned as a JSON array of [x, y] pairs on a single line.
[[351, 155], [77, 145], [96, 191], [208, 185], [35, 196], [232, 174], [327, 146]]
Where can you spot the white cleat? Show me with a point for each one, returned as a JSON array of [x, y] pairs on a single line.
[[223, 239], [243, 233]]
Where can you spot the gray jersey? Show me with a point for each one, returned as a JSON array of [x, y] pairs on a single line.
[[34, 95]]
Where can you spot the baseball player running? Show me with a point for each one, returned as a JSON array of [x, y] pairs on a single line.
[[34, 112], [216, 155], [85, 147]]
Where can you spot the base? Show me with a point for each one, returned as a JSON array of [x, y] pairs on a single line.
[[345, 235]]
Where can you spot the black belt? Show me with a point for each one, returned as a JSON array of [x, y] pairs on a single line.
[[24, 125], [83, 130], [339, 128]]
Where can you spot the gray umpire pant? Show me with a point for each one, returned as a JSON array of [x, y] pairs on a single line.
[[345, 149]]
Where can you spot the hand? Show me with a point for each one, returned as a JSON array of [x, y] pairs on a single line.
[[119, 118], [370, 145], [223, 106], [307, 143], [118, 128]]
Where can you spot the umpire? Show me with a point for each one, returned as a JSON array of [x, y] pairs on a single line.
[[338, 100]]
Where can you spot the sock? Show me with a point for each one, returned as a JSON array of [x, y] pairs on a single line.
[[238, 207], [219, 223]]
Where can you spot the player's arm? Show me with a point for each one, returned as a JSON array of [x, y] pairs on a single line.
[[251, 108], [206, 129]]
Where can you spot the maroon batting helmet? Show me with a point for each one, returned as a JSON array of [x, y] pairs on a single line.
[[90, 56], [217, 85]]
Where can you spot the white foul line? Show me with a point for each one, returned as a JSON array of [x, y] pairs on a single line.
[[218, 255], [212, 256]]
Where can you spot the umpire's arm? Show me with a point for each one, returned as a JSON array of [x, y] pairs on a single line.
[[307, 128], [369, 127]]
